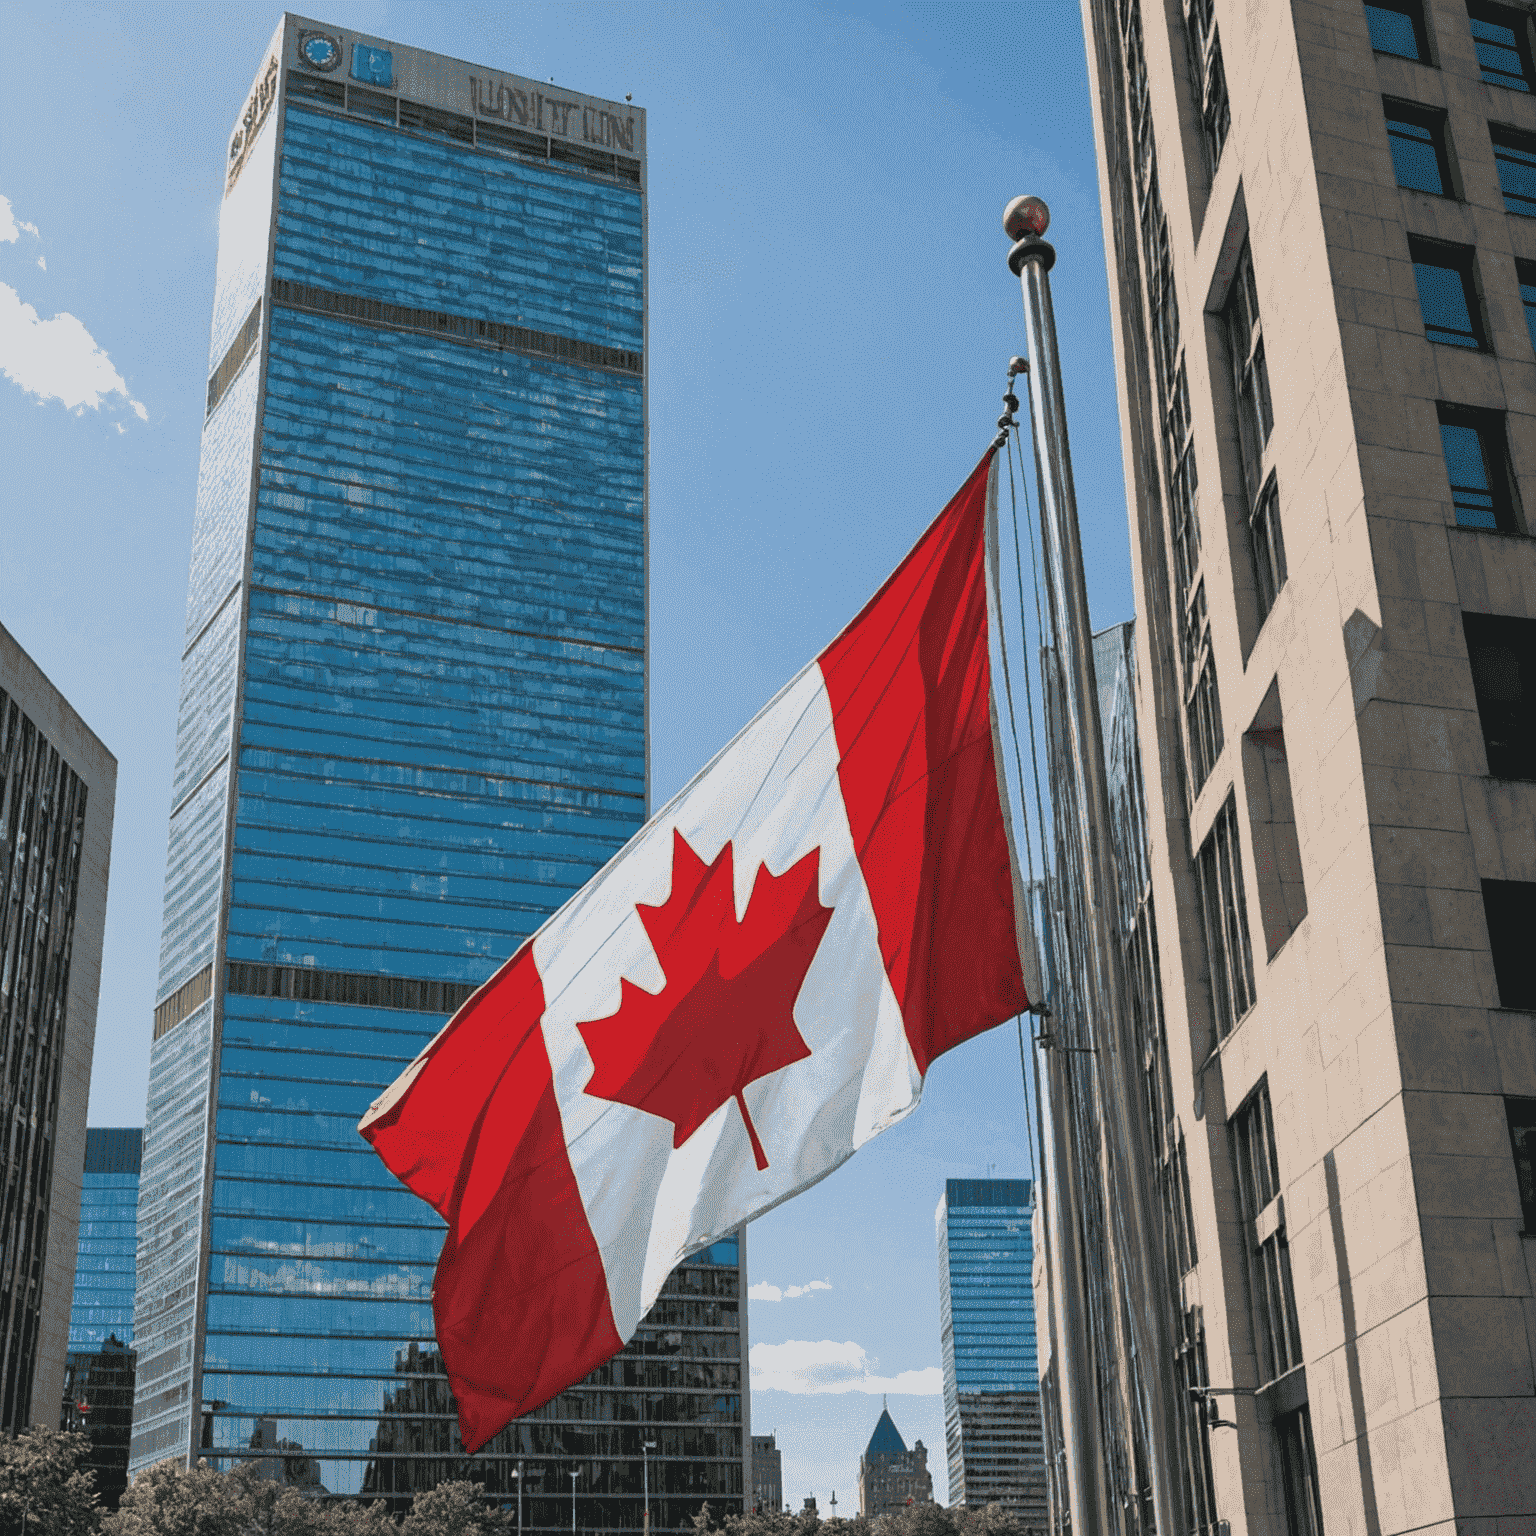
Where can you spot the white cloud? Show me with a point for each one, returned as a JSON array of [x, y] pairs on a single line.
[[56, 359], [42, 264], [804, 1366], [10, 226], [762, 1291]]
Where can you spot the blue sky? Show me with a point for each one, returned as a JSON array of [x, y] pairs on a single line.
[[831, 317]]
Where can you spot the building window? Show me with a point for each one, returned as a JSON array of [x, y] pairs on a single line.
[[1250, 377], [1521, 1115], [1416, 136], [1502, 652], [1202, 703], [1255, 420], [1273, 1296], [1224, 910], [1272, 824], [1503, 42], [1194, 1377], [1210, 78], [1397, 26], [1298, 1467], [1162, 301], [1525, 271], [1173, 1176], [1477, 465], [1514, 157], [1510, 908], [1448, 293], [1267, 547], [1183, 482]]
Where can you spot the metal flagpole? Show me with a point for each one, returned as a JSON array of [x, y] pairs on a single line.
[[1087, 1492], [1031, 258]]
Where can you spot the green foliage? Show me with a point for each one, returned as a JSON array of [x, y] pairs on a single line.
[[454, 1509], [915, 1520], [172, 1500], [42, 1487]]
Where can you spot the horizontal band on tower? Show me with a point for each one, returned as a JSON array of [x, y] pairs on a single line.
[[188, 997], [234, 359], [363, 989], [451, 327]]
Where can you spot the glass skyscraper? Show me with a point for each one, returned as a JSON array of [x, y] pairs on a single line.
[[412, 723], [104, 1268], [987, 1321], [99, 1369]]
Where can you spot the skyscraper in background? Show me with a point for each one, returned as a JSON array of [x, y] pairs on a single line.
[[99, 1369], [987, 1331], [767, 1475], [104, 1265], [57, 788], [413, 722], [890, 1476]]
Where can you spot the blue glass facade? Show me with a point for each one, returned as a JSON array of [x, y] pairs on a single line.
[[104, 1268], [987, 1323], [413, 722], [99, 1368], [986, 1300]]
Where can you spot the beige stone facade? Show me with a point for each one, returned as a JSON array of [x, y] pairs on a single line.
[[46, 1294], [1352, 750]]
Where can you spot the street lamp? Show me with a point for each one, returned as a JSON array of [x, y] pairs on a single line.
[[646, 1447], [574, 1475]]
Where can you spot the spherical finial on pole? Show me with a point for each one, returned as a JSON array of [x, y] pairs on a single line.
[[1025, 221], [1026, 216]]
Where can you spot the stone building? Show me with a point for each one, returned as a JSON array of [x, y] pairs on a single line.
[[891, 1476], [767, 1475], [1323, 281], [57, 787]]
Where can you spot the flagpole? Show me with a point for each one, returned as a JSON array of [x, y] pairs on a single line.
[[1031, 258]]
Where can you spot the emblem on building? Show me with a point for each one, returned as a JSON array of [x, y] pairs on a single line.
[[372, 66], [259, 104], [320, 51]]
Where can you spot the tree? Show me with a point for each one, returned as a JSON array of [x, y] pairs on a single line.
[[350, 1518], [43, 1489], [170, 1499], [454, 1509], [271, 1508]]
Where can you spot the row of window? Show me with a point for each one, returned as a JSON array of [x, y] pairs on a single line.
[[1502, 654], [1423, 157], [1501, 38]]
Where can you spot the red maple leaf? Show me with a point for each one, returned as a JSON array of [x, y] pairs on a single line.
[[726, 1014]]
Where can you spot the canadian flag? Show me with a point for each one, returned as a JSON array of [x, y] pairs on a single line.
[[747, 993]]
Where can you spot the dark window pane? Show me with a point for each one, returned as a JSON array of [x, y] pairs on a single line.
[[1502, 652], [1476, 464], [1514, 156], [1445, 303], [1303, 1506], [1521, 1114], [1510, 907], [1528, 298], [1502, 51], [1468, 469], [1267, 548], [1416, 156], [1397, 29], [1224, 909]]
